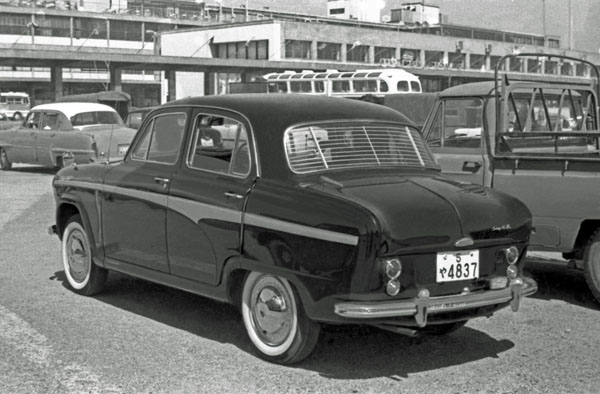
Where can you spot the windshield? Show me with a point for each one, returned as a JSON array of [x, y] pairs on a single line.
[[336, 145], [95, 118]]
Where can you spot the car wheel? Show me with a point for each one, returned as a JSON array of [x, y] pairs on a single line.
[[275, 319], [591, 264], [83, 275], [5, 164], [17, 116], [443, 329]]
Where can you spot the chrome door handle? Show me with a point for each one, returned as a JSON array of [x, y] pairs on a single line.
[[163, 181], [233, 195]]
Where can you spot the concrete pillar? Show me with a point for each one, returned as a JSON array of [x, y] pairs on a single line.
[[343, 53], [467, 64], [115, 79], [314, 51], [422, 57], [171, 85], [371, 55], [398, 54], [210, 83], [56, 81], [488, 62]]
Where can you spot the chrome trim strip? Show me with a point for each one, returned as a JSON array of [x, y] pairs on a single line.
[[197, 211], [300, 229], [371, 310]]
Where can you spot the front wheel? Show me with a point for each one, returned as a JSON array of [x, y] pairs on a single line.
[[17, 116], [5, 164], [275, 319], [591, 264], [83, 275]]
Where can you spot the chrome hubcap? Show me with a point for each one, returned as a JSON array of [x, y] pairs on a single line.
[[271, 311], [78, 256]]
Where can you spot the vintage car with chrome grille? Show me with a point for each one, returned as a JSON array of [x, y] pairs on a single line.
[[55, 135], [300, 210]]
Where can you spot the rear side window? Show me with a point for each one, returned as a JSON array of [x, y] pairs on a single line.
[[161, 139]]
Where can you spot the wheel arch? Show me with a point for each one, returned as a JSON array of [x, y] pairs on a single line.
[[586, 230], [237, 269]]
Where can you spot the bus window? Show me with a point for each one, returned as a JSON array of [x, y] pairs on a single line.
[[415, 86], [402, 86], [278, 87], [300, 87], [365, 86], [340, 86], [383, 87], [319, 87]]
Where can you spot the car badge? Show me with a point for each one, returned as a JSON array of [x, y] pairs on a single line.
[[502, 227], [464, 242]]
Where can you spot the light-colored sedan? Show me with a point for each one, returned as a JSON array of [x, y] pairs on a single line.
[[57, 134]]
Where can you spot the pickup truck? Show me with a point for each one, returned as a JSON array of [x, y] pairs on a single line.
[[535, 137]]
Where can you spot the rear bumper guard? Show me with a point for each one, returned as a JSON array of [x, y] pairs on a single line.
[[421, 307]]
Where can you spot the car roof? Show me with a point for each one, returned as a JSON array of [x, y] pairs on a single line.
[[71, 109], [280, 111], [270, 114], [486, 88]]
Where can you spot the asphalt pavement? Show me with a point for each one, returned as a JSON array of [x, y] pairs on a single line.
[[139, 337]]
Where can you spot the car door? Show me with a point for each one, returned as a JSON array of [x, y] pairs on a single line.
[[46, 137], [134, 198], [454, 135], [24, 138], [208, 194]]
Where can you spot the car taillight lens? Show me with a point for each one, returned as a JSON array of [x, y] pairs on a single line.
[[392, 267], [512, 255]]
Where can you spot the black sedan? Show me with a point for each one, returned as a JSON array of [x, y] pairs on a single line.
[[300, 210]]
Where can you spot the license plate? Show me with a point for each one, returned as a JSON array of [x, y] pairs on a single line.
[[453, 266], [123, 150]]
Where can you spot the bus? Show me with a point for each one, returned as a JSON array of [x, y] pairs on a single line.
[[351, 84], [14, 105]]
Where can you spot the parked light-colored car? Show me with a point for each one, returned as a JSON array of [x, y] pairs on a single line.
[[57, 134]]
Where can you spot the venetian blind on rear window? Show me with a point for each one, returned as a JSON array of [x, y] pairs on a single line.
[[349, 145]]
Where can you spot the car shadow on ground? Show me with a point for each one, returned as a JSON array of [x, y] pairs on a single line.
[[556, 281], [343, 352]]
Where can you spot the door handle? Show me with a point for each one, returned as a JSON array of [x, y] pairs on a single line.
[[233, 195], [471, 166], [163, 181]]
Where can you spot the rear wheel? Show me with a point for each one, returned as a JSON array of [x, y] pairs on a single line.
[[5, 164], [17, 116], [83, 275], [275, 319], [591, 264]]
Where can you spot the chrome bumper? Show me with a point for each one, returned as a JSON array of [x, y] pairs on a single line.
[[420, 307]]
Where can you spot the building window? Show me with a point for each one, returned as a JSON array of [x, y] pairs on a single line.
[[241, 50], [477, 62], [434, 59], [328, 51], [384, 53], [295, 49], [337, 11], [410, 57], [357, 53]]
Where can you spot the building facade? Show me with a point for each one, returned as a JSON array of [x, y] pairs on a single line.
[[442, 55]]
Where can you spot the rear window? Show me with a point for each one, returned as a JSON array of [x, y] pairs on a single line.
[[347, 145], [96, 117]]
